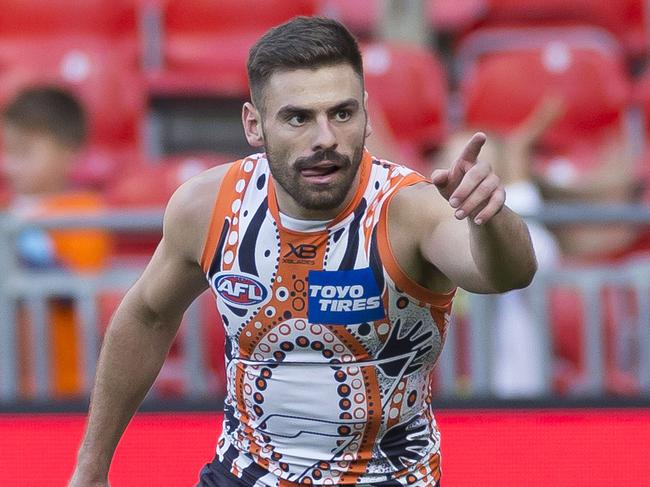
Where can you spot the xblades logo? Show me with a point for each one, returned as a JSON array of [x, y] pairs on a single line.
[[303, 251], [300, 254]]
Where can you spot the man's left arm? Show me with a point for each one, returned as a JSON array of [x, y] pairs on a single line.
[[476, 241]]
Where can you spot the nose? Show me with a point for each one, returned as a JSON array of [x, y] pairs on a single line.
[[324, 136]]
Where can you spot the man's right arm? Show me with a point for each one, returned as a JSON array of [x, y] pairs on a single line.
[[144, 326]]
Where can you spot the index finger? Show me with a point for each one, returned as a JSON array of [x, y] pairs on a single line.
[[473, 148]]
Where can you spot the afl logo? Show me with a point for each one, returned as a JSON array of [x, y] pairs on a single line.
[[239, 289]]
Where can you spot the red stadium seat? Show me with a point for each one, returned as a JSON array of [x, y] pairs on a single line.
[[151, 185], [147, 186], [624, 18], [38, 18], [205, 43], [456, 15], [517, 68], [226, 16], [102, 73], [409, 85], [567, 315]]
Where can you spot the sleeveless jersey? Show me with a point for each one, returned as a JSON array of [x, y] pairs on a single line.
[[329, 345]]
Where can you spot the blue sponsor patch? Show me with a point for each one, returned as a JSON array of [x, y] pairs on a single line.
[[344, 297]]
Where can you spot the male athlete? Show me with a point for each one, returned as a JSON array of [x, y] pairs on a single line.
[[334, 273]]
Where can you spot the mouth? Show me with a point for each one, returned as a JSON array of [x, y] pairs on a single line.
[[321, 173]]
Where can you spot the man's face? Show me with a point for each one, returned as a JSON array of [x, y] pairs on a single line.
[[314, 125], [34, 162]]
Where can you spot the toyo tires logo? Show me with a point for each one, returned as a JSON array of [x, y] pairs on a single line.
[[344, 297], [239, 289]]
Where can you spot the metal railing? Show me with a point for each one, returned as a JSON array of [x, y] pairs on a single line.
[[589, 284], [32, 288]]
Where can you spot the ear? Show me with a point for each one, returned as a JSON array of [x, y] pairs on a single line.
[[365, 109], [252, 122]]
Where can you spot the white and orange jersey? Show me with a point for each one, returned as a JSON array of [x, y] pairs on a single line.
[[329, 345]]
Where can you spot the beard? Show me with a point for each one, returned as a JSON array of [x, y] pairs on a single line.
[[309, 195]]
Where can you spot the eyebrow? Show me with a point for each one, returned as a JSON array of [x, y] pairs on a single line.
[[294, 109], [349, 103]]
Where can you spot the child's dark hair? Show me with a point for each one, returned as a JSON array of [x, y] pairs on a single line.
[[51, 110]]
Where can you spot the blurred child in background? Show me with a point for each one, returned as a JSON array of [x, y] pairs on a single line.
[[43, 136]]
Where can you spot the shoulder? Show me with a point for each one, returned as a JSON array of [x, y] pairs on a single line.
[[189, 211], [418, 206]]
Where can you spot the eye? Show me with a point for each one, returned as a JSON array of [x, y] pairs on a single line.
[[343, 116], [297, 120]]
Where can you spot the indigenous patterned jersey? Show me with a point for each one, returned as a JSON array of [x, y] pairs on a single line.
[[329, 345]]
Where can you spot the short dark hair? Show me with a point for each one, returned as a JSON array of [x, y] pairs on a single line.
[[51, 110], [303, 42]]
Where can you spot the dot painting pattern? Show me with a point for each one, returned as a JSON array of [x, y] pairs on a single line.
[[361, 389]]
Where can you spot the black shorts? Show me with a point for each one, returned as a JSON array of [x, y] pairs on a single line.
[[214, 474]]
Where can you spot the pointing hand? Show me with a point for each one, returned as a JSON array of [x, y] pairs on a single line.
[[470, 185]]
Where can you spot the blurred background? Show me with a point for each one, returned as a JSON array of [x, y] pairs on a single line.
[[108, 105]]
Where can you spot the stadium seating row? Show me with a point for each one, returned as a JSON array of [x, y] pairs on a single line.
[[118, 54], [624, 18], [516, 67]]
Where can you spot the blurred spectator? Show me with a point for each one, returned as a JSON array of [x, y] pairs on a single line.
[[517, 358], [44, 131], [611, 176]]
